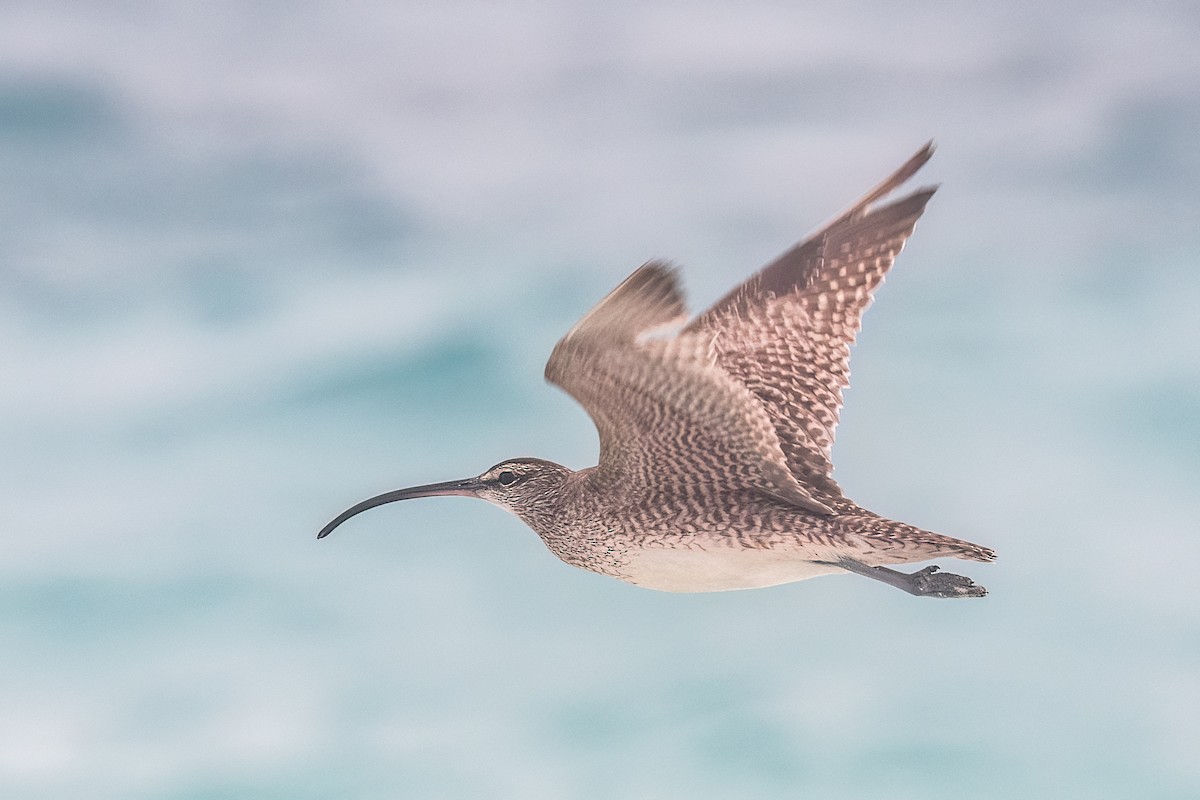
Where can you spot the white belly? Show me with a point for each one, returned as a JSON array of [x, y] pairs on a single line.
[[718, 570]]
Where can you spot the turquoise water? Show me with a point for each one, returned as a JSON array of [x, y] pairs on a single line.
[[260, 262]]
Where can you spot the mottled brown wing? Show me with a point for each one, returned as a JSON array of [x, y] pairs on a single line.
[[667, 416], [785, 334]]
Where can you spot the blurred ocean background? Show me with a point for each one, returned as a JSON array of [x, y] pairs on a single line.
[[261, 260]]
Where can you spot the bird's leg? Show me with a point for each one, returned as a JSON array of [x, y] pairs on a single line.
[[928, 582]]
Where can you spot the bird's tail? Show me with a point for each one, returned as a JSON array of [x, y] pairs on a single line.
[[890, 542]]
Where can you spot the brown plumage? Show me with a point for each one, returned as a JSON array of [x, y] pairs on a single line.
[[715, 441]]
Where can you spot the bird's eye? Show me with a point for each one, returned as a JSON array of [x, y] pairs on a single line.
[[507, 478]]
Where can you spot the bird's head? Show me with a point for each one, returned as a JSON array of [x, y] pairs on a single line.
[[528, 487]]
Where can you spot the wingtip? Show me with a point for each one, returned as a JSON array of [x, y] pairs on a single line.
[[864, 204], [650, 297], [919, 158]]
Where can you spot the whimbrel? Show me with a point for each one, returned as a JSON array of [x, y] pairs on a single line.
[[715, 465]]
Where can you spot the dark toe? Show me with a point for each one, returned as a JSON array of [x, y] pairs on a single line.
[[945, 584]]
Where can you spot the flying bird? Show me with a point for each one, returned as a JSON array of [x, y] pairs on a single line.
[[716, 434]]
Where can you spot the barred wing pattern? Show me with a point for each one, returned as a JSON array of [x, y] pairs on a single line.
[[785, 334], [667, 416]]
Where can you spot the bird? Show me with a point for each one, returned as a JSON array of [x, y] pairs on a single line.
[[716, 432]]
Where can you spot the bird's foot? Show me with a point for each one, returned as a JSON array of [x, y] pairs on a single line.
[[928, 582]]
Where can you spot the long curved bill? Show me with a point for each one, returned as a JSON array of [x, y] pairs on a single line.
[[465, 488]]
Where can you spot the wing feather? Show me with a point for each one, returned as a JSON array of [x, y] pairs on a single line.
[[785, 334], [667, 416]]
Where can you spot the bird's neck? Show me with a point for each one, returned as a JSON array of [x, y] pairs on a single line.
[[579, 499]]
